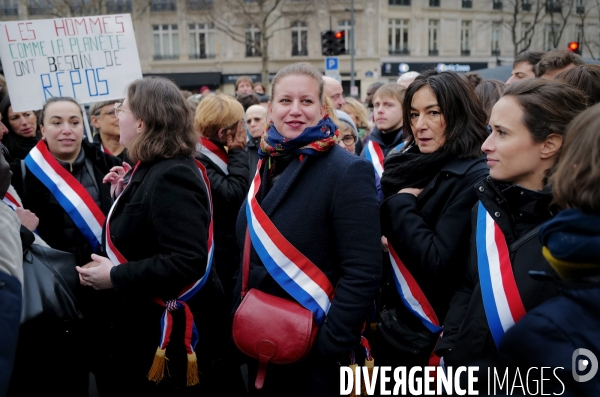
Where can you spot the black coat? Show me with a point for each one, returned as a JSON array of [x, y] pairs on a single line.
[[430, 234], [517, 211], [549, 335], [327, 207], [252, 149], [228, 192], [160, 225], [55, 227]]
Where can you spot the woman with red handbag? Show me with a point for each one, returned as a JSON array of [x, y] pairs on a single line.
[[310, 222]]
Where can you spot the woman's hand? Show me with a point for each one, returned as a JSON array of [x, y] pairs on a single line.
[[96, 274], [384, 244], [27, 218], [411, 190], [115, 178], [236, 139]]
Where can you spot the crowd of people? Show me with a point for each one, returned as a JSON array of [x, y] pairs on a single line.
[[446, 220]]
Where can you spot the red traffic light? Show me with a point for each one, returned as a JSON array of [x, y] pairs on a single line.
[[338, 35], [574, 46]]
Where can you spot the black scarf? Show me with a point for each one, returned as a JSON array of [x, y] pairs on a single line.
[[19, 146], [411, 169]]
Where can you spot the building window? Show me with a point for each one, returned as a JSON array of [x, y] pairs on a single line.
[[496, 38], [166, 42], [252, 41], [399, 2], [497, 4], [39, 7], [465, 38], [202, 40], [549, 36], [398, 36], [434, 3], [580, 6], [433, 36], [526, 5], [579, 34], [9, 7], [346, 26], [299, 38], [199, 5], [119, 6], [163, 5], [467, 4], [554, 6]]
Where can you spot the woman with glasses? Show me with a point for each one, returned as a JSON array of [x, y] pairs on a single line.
[[23, 131], [348, 133], [62, 185], [106, 128], [162, 328], [220, 121]]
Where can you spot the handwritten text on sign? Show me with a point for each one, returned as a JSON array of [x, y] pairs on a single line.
[[88, 58]]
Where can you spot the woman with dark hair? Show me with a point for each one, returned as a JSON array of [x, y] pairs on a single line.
[[428, 190], [527, 128], [489, 91], [158, 237], [318, 203], [549, 335], [60, 181], [584, 77], [23, 131]]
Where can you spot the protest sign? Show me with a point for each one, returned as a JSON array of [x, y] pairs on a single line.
[[91, 59]]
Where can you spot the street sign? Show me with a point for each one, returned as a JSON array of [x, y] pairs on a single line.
[[354, 90], [332, 64]]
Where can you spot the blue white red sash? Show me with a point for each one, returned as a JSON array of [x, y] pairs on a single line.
[[375, 155], [501, 298], [166, 323], [69, 193], [411, 294], [215, 153], [11, 201], [293, 271]]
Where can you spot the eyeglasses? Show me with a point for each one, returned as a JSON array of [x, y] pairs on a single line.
[[120, 109], [349, 139], [112, 113]]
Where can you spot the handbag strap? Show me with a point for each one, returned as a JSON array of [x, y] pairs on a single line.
[[246, 264]]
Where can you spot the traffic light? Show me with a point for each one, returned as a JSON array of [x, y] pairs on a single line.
[[574, 47], [333, 43]]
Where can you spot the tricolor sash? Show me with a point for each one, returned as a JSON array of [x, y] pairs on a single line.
[[215, 153], [166, 324], [374, 154], [411, 294], [11, 201], [501, 298], [69, 193], [293, 271]]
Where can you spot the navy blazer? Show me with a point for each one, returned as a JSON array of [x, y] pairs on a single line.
[[326, 206]]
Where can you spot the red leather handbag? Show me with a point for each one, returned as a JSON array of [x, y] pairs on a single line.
[[269, 328]]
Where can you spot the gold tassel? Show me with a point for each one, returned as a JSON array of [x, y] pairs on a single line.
[[353, 393], [157, 371], [192, 370], [369, 365]]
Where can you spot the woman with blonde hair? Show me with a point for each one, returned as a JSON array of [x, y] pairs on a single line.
[[220, 121]]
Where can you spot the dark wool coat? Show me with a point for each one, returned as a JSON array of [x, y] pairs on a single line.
[[430, 234], [327, 207], [252, 149], [228, 192], [160, 225], [517, 211], [549, 335], [45, 337]]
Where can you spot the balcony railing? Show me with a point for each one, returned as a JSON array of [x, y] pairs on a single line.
[[201, 56], [158, 57], [199, 5], [399, 51], [163, 6], [467, 4], [113, 8], [399, 2], [39, 10], [497, 5]]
